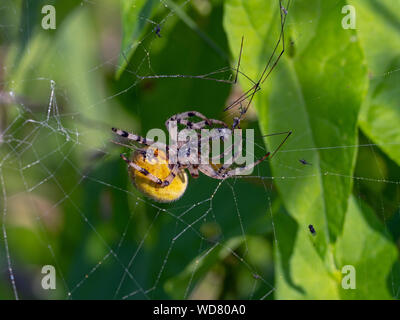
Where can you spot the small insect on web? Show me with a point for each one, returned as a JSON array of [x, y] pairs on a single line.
[[157, 30], [151, 167]]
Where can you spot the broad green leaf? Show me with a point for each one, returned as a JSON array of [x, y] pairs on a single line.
[[380, 116], [316, 91], [366, 245], [134, 15], [30, 19], [377, 27], [192, 25], [301, 274], [300, 271]]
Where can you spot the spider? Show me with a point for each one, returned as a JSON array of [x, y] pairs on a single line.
[[165, 181], [155, 176]]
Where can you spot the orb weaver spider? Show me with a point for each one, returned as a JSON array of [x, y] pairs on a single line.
[[163, 181]]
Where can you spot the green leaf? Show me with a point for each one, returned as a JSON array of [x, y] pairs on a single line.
[[366, 245], [378, 26], [300, 271], [134, 15], [301, 274], [380, 116], [381, 113], [316, 92], [193, 25]]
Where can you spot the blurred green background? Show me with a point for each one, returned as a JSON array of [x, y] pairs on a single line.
[[66, 198]]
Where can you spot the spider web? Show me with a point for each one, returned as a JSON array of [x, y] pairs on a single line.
[[67, 200]]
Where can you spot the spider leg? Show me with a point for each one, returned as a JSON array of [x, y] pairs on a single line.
[[249, 94], [184, 115], [202, 124], [204, 142], [132, 137], [238, 171], [222, 173], [240, 56], [174, 170], [141, 170], [237, 150], [194, 171], [208, 170], [182, 118], [288, 133], [173, 173]]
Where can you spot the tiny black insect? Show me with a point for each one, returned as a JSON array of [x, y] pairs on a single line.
[[303, 161], [312, 230], [157, 30]]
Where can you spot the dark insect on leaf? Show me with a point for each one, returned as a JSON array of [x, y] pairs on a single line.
[[312, 230], [303, 161]]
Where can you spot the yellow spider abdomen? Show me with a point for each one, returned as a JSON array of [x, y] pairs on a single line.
[[157, 166]]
